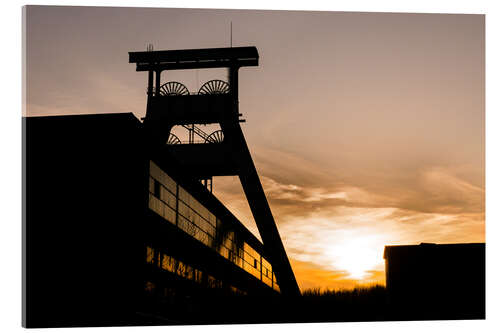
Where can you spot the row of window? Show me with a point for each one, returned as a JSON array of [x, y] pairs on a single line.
[[177, 206], [175, 266]]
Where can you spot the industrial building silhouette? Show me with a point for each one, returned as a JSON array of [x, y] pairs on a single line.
[[121, 227], [436, 281]]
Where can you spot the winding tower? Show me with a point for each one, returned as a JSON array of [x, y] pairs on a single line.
[[221, 153]]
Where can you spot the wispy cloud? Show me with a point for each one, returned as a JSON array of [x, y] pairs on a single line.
[[99, 92], [279, 191]]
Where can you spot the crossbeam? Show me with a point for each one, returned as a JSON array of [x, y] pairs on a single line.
[[195, 58]]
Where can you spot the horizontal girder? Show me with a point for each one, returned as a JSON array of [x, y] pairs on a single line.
[[195, 58]]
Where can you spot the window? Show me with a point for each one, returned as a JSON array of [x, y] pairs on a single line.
[[156, 192]]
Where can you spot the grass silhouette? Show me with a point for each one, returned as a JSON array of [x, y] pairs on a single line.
[[363, 303], [359, 304]]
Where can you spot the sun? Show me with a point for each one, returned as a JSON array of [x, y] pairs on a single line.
[[357, 257]]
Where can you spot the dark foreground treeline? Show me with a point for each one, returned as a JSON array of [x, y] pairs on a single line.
[[358, 304], [218, 306], [214, 307]]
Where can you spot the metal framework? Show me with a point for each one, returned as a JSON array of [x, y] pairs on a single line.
[[173, 88], [215, 137], [214, 87], [226, 151], [173, 139]]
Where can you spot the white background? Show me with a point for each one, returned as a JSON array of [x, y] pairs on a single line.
[[10, 162]]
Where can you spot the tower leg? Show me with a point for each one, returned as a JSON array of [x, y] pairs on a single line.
[[262, 214]]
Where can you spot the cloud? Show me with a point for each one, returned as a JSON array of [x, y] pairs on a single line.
[[432, 190], [443, 192], [97, 92], [279, 191], [290, 167]]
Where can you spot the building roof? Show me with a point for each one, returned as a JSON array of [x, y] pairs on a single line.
[[391, 250]]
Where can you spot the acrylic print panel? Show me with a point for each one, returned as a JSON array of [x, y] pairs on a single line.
[[199, 166]]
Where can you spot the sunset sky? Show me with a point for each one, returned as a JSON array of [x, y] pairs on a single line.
[[366, 129]]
